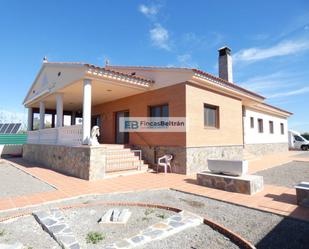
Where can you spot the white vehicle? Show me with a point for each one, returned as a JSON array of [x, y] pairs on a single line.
[[296, 141]]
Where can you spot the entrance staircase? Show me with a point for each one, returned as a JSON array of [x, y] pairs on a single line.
[[121, 158]]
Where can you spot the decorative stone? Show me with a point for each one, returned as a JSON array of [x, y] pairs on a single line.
[[137, 239], [248, 184], [123, 244], [54, 224], [114, 216], [160, 230], [160, 225]]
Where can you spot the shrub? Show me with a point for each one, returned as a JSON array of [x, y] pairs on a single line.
[[94, 237]]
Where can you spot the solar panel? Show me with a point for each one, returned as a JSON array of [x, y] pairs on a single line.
[[11, 128], [16, 128], [4, 127]]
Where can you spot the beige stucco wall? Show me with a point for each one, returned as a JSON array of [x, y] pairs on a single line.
[[230, 130]]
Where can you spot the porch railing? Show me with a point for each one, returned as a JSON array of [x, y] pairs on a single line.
[[67, 135]]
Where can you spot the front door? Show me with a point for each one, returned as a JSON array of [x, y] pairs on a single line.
[[121, 137]]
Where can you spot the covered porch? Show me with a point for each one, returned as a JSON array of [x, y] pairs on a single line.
[[69, 107], [60, 139]]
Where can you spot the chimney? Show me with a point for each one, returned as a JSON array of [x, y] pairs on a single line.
[[225, 64]]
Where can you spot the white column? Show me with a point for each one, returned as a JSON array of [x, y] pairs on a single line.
[[30, 119], [42, 115], [86, 111], [59, 110]]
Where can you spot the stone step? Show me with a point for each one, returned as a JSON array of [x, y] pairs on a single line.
[[125, 164], [120, 160]]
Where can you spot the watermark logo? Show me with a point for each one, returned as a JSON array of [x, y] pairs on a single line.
[[148, 124]]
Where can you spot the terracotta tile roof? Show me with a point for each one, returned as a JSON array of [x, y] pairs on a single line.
[[227, 83], [105, 69], [277, 108], [119, 73]]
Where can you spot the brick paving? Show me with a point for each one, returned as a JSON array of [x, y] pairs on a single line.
[[275, 199]]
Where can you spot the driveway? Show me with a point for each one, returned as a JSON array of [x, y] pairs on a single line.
[[286, 175], [15, 182]]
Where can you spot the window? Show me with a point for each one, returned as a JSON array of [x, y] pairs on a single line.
[[211, 116], [282, 128], [271, 127], [260, 123], [251, 122], [159, 111], [298, 138]]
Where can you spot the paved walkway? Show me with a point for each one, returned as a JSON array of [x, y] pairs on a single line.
[[275, 199]]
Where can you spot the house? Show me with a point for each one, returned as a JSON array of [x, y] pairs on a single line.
[[224, 120]]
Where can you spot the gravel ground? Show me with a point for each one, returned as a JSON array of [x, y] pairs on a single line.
[[198, 237], [263, 229], [286, 175], [201, 237], [15, 182], [28, 232], [140, 219]]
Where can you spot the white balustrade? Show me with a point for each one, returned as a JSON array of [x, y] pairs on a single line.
[[68, 135]]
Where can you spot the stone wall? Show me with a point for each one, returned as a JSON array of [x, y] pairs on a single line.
[[197, 156], [81, 161], [151, 153], [267, 148], [190, 160], [10, 149]]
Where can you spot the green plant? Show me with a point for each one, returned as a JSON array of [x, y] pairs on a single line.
[[2, 232], [94, 237], [145, 218], [149, 211], [162, 216]]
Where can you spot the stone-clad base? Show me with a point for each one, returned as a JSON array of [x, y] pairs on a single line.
[[197, 156], [81, 161], [248, 184], [190, 160], [264, 149]]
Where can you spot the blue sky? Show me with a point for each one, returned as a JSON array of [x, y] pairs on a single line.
[[269, 42]]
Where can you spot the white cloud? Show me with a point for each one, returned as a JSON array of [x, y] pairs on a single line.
[[290, 93], [13, 117], [277, 80], [148, 11], [283, 48], [160, 37], [185, 60]]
